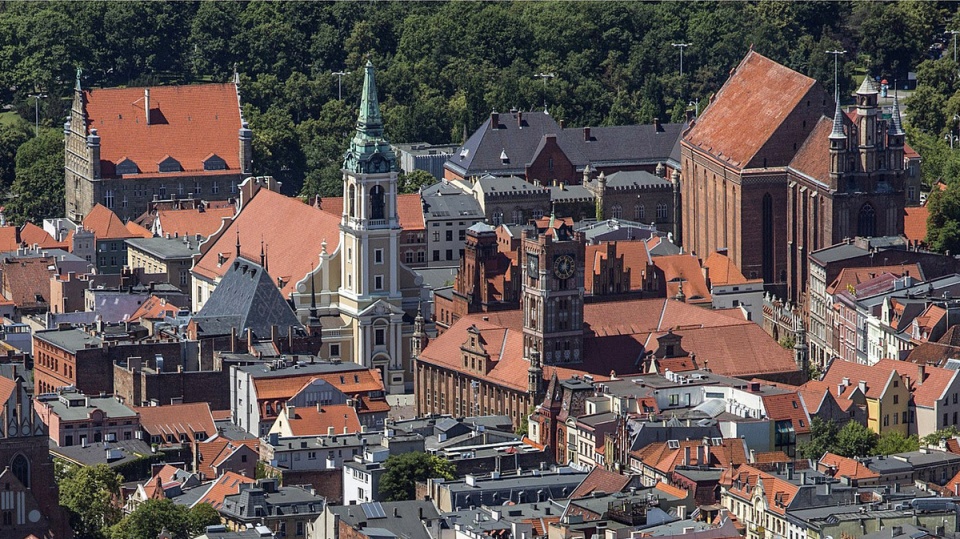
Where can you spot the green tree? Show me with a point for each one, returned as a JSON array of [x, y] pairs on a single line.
[[37, 191], [894, 442], [411, 182], [933, 439], [855, 440], [399, 481], [153, 516], [92, 495], [12, 135], [943, 223], [823, 436]]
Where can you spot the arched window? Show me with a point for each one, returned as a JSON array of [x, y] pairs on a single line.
[[616, 211], [497, 217], [351, 199], [767, 237], [661, 212], [108, 198], [517, 217], [20, 467], [376, 203], [638, 213], [867, 221]]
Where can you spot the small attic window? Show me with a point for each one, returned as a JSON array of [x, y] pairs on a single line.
[[169, 164], [127, 166], [503, 156], [214, 162]]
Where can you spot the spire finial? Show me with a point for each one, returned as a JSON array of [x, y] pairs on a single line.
[[238, 242], [313, 297], [837, 131], [79, 72], [896, 127], [370, 151], [263, 255]]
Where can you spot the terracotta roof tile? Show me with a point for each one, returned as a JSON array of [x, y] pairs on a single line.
[[31, 235], [177, 419], [26, 281], [227, 485], [187, 122], [685, 268], [676, 492], [213, 451], [788, 406], [876, 378], [309, 421], [633, 256], [847, 467], [105, 224], [771, 457], [813, 158], [192, 222], [352, 383], [154, 308], [915, 223], [725, 130], [722, 271], [779, 493], [292, 250], [852, 277], [947, 347], [7, 387], [137, 230], [676, 364], [600, 480]]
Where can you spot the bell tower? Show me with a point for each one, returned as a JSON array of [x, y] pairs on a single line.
[[867, 125], [553, 265]]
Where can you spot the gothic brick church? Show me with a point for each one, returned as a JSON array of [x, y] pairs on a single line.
[[774, 169]]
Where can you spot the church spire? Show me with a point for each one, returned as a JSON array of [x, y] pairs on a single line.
[[837, 131], [370, 151], [896, 127]]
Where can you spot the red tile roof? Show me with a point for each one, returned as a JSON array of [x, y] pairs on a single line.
[[31, 235], [138, 231], [25, 280], [771, 456], [600, 480], [105, 224], [676, 364], [946, 347], [191, 222], [154, 308], [740, 120], [661, 457], [188, 123], [852, 277], [875, 378], [722, 271], [633, 256], [616, 339], [813, 158], [779, 493], [177, 419], [7, 387], [671, 490], [685, 268], [310, 421], [935, 383], [788, 406], [409, 210], [846, 467], [292, 251], [228, 485], [217, 449], [915, 223], [276, 391]]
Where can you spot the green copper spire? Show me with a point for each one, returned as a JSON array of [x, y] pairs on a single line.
[[369, 151]]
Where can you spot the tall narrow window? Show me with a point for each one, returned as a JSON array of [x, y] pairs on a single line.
[[21, 469], [867, 221], [376, 203], [352, 197], [108, 198], [767, 238]]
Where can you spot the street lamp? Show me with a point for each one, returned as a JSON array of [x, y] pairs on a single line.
[[696, 105], [681, 46], [955, 32], [545, 76], [836, 73], [340, 75], [36, 110]]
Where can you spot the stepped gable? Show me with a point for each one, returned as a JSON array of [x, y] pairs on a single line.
[[291, 231], [724, 131], [246, 298], [180, 116]]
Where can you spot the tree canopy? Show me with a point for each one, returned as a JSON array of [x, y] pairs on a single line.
[[37, 190], [399, 481], [153, 516], [92, 495]]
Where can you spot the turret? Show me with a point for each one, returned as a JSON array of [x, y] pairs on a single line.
[[601, 190], [419, 338], [246, 148], [801, 352], [93, 151], [895, 135], [867, 125], [535, 376], [838, 146]]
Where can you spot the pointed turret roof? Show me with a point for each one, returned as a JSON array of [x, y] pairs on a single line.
[[896, 127], [837, 131], [369, 151], [867, 87]]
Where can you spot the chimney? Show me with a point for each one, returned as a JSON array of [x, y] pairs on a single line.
[[586, 134], [686, 455], [562, 124], [494, 120], [520, 119], [863, 386], [921, 373], [146, 104], [656, 125]]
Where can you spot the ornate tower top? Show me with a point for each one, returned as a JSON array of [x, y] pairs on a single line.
[[867, 87], [895, 127], [370, 151]]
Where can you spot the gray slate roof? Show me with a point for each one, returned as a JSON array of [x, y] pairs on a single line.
[[166, 248], [445, 201], [401, 519], [246, 298]]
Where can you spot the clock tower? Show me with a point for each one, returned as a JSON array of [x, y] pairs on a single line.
[[553, 265]]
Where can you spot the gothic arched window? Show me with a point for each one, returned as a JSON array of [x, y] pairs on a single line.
[[661, 212], [376, 203], [20, 467], [616, 212], [497, 217], [351, 200], [638, 212], [867, 221]]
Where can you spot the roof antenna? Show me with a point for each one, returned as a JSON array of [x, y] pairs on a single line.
[[238, 242], [263, 256]]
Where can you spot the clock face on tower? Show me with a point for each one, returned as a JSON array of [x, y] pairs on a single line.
[[564, 267]]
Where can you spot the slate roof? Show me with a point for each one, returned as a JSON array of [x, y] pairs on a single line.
[[187, 123], [167, 248], [105, 224], [444, 201], [246, 298], [402, 519], [741, 118], [520, 136], [292, 251]]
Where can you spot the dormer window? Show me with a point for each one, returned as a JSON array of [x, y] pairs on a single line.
[[127, 166], [214, 162], [169, 164]]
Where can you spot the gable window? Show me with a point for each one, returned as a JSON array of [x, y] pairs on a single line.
[[214, 162], [169, 164], [127, 166]]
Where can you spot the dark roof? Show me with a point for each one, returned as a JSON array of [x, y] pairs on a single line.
[[403, 519], [166, 248], [99, 452], [445, 201], [521, 139], [246, 298]]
